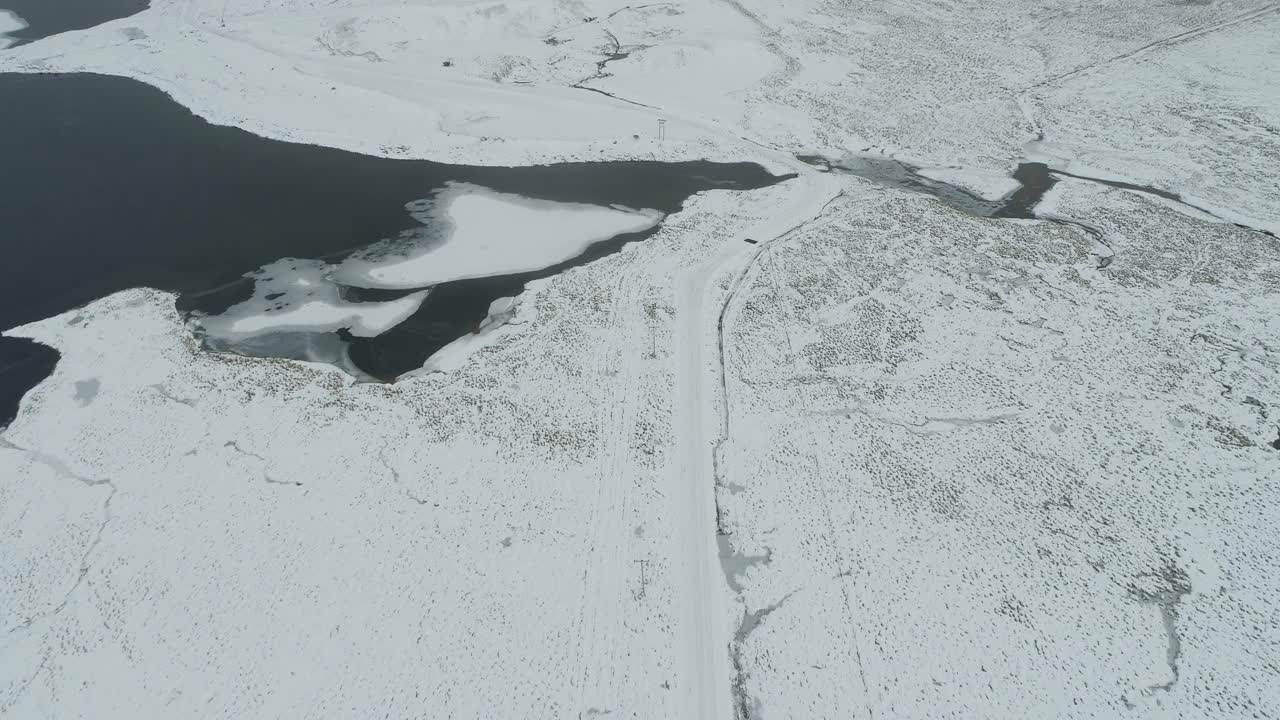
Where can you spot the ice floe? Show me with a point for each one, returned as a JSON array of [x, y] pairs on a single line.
[[471, 232], [9, 22], [297, 295], [295, 312]]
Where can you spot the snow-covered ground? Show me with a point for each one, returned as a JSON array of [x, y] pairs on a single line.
[[887, 460], [1197, 114], [266, 538], [981, 478]]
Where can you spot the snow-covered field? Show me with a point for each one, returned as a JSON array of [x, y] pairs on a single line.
[[982, 478], [887, 460]]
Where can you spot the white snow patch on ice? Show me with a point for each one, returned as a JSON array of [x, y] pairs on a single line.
[[476, 232], [9, 22], [293, 295], [986, 185]]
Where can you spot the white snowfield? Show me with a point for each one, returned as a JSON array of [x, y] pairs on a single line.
[[888, 461]]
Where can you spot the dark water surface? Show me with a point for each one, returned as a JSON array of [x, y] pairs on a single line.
[[23, 364], [50, 17], [107, 183], [1034, 180]]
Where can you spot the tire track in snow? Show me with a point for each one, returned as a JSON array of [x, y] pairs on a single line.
[[604, 578], [815, 480], [702, 661], [741, 698], [703, 635], [1023, 99], [1164, 42]]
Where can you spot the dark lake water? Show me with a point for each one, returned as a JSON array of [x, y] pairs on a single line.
[[50, 17], [1034, 180], [23, 364], [107, 183]]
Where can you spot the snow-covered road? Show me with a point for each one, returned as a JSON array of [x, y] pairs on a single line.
[[704, 631]]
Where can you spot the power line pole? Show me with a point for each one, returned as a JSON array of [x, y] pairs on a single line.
[[643, 581], [662, 129]]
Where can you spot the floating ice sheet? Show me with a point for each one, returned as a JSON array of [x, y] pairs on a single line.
[[472, 231], [302, 309], [9, 22], [293, 295]]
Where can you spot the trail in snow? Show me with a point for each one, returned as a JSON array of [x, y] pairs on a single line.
[[1163, 42], [601, 624], [703, 636], [1024, 97], [743, 702], [702, 660]]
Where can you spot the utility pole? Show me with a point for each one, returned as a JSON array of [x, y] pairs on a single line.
[[643, 581], [662, 129]]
